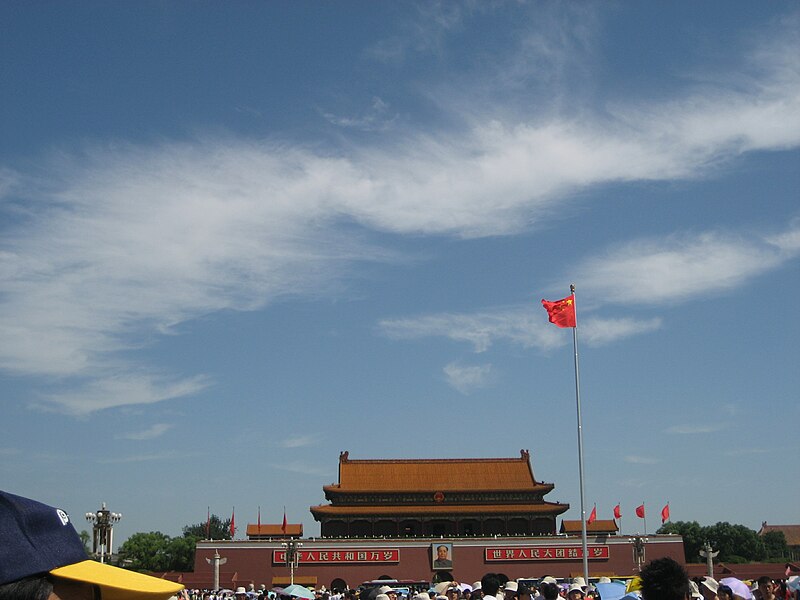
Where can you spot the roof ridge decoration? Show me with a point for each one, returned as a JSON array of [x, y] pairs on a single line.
[[344, 457]]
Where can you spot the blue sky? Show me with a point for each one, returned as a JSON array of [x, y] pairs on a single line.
[[239, 238]]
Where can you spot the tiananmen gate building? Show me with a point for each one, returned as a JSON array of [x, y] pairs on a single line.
[[431, 520]]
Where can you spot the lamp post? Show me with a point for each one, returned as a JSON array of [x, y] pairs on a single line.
[[638, 550], [102, 528], [292, 557]]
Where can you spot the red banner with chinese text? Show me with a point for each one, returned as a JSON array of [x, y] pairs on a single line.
[[545, 553], [381, 555]]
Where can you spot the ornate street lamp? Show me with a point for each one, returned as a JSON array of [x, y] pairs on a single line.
[[638, 542], [102, 528], [292, 557]]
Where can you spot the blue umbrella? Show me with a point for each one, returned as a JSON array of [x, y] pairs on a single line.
[[298, 591], [611, 591]]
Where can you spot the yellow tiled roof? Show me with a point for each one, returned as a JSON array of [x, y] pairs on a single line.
[[422, 475]]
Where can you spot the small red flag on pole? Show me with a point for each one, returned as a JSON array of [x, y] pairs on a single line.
[[283, 527], [593, 516], [665, 514], [561, 312], [233, 521], [640, 511], [617, 512]]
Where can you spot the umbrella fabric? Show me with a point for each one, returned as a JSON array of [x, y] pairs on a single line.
[[611, 591], [634, 585], [738, 587], [794, 582], [299, 591]]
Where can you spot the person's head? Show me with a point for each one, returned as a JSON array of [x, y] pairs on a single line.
[[575, 592], [664, 579], [766, 587], [724, 592], [510, 589], [42, 554], [453, 592], [708, 588], [524, 592], [490, 583], [550, 591], [388, 591], [442, 552]]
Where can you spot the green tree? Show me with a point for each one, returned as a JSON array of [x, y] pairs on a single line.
[[775, 545], [86, 538], [736, 543], [146, 552], [693, 537], [180, 553], [217, 528]]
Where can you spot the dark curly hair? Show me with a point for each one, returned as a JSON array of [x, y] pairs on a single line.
[[34, 587], [665, 579]]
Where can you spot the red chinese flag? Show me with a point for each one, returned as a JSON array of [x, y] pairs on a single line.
[[561, 312], [593, 516], [233, 522], [283, 527], [665, 514], [640, 511], [617, 512], [259, 519]]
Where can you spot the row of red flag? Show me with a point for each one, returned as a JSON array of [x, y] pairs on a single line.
[[233, 521], [639, 513]]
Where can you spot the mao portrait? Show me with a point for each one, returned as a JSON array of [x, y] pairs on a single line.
[[442, 556]]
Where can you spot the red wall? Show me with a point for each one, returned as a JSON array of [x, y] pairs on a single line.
[[252, 562]]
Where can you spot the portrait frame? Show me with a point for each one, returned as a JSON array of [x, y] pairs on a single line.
[[441, 556]]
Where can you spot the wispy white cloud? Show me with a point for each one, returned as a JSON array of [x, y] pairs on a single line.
[[121, 390], [150, 457], [676, 268], [157, 430], [634, 483], [376, 118], [123, 242], [481, 329], [299, 441], [302, 468], [746, 451], [467, 378], [641, 460], [524, 326], [599, 332], [424, 33]]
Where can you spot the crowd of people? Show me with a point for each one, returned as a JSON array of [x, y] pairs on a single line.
[[655, 579]]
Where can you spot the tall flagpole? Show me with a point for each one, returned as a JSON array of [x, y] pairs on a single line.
[[584, 545]]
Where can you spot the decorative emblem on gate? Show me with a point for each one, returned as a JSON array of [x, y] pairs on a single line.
[[438, 497]]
